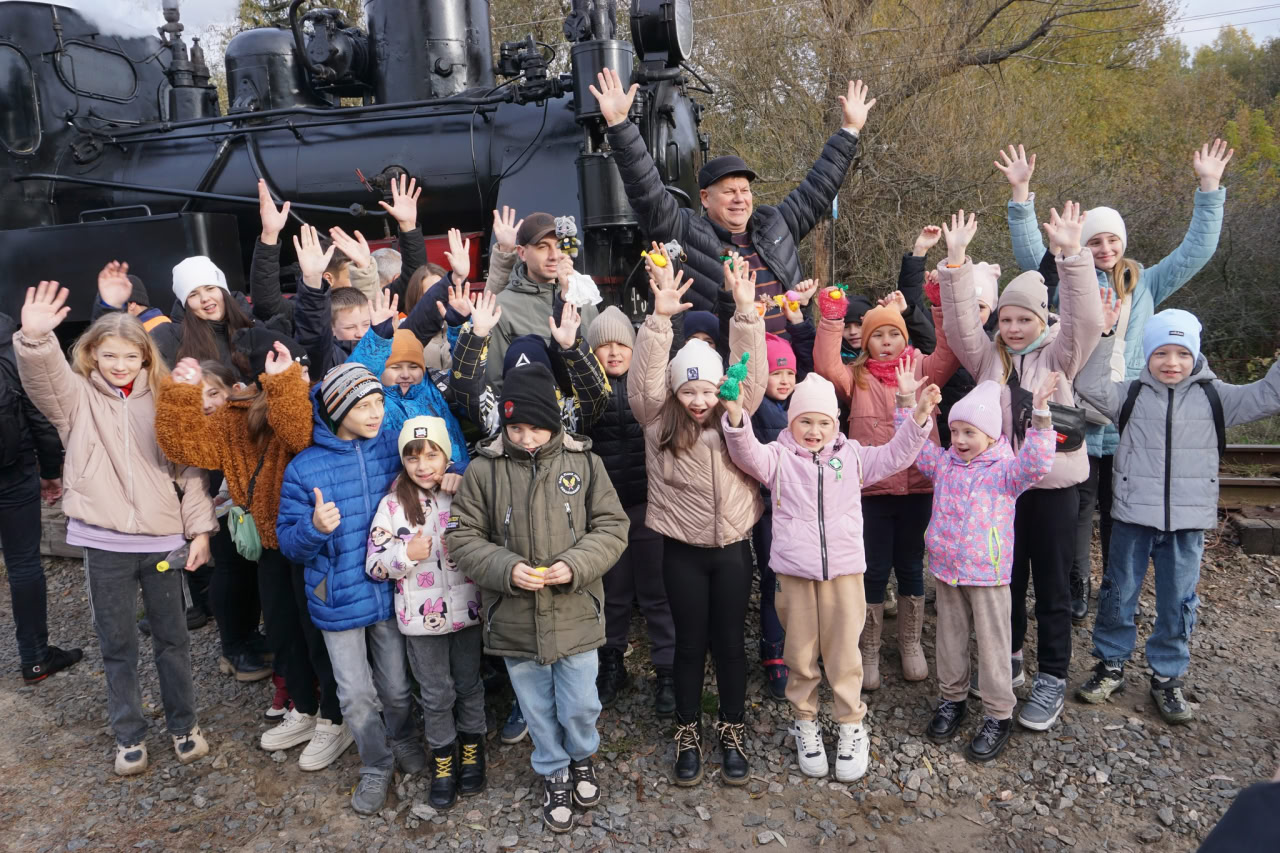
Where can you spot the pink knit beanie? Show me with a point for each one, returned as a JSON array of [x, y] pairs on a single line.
[[980, 407], [779, 352], [814, 395]]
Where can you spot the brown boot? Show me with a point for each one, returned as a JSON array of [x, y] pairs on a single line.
[[869, 646], [910, 621]]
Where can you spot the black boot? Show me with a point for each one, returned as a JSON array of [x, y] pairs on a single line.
[[611, 678], [688, 754], [990, 740], [471, 778], [945, 721], [775, 670], [444, 777], [734, 768], [664, 694], [55, 660], [1080, 589]]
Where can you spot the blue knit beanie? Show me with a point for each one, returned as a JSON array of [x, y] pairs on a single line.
[[702, 321], [1172, 326]]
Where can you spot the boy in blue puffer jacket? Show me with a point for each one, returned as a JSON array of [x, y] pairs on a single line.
[[327, 502]]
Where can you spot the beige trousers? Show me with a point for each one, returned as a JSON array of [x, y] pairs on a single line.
[[990, 607], [823, 618]]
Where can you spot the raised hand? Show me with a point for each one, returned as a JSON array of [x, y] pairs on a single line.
[[833, 303], [665, 284], [326, 516], [1110, 308], [804, 291], [459, 300], [188, 372], [505, 228], [926, 240], [855, 106], [278, 360], [740, 280], [485, 313], [896, 301], [958, 236], [1210, 163], [564, 269], [459, 255], [312, 259], [1040, 399], [1018, 169], [383, 306], [419, 547], [615, 102], [1064, 231], [905, 371], [929, 399], [404, 202], [45, 307], [274, 219], [114, 287], [566, 333], [354, 248], [733, 408]]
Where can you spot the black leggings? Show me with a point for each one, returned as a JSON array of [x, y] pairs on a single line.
[[1044, 543], [301, 655], [893, 528], [233, 594], [708, 590]]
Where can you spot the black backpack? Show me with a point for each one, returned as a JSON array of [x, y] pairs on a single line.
[[1215, 404]]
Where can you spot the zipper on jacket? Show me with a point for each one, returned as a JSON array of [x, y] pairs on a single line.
[[506, 529], [715, 499], [533, 481], [1168, 460], [568, 511], [822, 524], [128, 464]]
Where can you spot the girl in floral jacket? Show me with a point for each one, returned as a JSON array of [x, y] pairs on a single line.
[[976, 484], [437, 608]]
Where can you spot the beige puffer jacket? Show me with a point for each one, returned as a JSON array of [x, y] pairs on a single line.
[[698, 497], [115, 475]]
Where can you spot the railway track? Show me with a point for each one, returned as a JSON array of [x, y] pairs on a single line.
[[1250, 476]]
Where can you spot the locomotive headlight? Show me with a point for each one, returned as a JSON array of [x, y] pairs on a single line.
[[662, 30]]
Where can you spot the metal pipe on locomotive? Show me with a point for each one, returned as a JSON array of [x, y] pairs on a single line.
[[115, 147]]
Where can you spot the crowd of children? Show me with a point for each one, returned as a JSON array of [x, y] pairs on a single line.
[[508, 474]]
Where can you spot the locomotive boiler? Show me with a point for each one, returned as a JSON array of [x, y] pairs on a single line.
[[117, 147]]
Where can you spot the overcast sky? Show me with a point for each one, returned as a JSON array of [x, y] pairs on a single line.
[[1261, 17]]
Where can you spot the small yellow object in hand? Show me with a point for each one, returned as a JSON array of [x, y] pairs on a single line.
[[656, 258], [785, 303], [542, 570], [162, 566], [836, 294]]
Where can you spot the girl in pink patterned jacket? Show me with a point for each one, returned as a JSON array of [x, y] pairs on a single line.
[[816, 476], [970, 541]]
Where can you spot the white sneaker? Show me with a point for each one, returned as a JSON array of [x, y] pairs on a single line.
[[852, 752], [294, 729], [131, 760], [327, 744], [810, 752]]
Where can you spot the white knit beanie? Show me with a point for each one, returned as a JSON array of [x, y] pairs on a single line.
[[986, 278], [196, 271], [696, 360], [1104, 220]]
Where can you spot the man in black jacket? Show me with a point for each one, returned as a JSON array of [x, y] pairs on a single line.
[[30, 468], [767, 237]]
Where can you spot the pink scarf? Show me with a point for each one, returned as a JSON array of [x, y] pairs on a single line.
[[886, 371]]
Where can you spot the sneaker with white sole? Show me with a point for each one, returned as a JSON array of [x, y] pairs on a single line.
[[1044, 706], [853, 752], [295, 728], [131, 760], [191, 746], [327, 744], [810, 752], [557, 801]]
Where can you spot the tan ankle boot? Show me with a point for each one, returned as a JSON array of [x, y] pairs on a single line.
[[869, 646], [910, 621]]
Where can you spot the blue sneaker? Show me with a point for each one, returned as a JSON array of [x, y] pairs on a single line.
[[515, 728]]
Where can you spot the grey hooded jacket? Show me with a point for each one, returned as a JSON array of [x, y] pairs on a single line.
[[1166, 465]]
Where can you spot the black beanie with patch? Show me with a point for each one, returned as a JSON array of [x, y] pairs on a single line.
[[529, 397]]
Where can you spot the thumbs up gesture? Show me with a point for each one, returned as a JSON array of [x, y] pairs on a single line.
[[326, 516], [419, 547]]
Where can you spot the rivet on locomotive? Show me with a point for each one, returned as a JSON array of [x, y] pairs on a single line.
[[114, 147]]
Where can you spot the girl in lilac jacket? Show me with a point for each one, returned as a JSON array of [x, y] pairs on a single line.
[[816, 476], [976, 484]]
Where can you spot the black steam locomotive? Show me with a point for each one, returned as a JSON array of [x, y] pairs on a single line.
[[115, 147]]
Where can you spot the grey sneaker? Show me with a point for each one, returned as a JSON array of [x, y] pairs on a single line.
[[1044, 706], [1169, 700], [1019, 678], [411, 758], [371, 793], [1104, 681]]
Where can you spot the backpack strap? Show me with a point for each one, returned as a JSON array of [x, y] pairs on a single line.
[[1219, 420], [1127, 409]]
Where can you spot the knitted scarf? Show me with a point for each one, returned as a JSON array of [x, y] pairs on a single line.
[[886, 371]]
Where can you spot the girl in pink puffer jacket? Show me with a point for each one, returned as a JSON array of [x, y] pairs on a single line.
[[816, 476], [976, 484]]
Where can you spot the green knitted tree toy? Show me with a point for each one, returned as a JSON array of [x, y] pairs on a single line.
[[730, 389]]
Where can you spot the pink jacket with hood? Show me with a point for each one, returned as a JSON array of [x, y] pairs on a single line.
[[817, 497]]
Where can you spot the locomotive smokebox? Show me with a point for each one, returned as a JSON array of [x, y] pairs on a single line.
[[429, 48]]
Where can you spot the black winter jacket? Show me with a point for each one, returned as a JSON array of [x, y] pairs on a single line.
[[775, 232], [618, 439], [23, 429]]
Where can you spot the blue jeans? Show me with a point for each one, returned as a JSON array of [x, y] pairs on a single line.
[[365, 689], [1177, 560], [560, 704]]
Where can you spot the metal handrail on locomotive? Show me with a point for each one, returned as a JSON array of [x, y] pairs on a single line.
[[115, 146]]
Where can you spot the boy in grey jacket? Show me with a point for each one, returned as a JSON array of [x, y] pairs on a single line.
[[1165, 496]]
